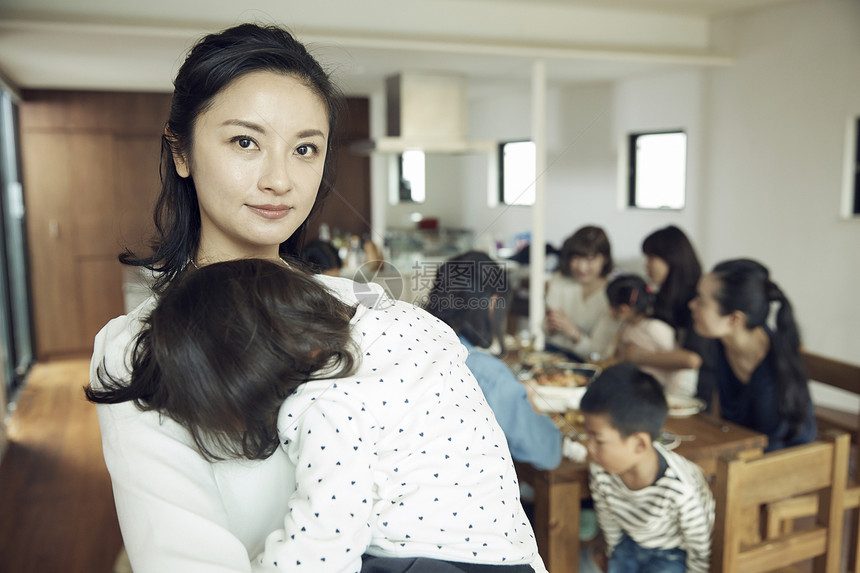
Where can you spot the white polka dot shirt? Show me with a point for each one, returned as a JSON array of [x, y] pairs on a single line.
[[404, 458]]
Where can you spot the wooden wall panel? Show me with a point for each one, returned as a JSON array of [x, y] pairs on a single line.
[[140, 113], [50, 238], [90, 176], [93, 194], [136, 161], [347, 208], [98, 285]]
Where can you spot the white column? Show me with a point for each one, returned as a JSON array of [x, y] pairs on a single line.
[[537, 255]]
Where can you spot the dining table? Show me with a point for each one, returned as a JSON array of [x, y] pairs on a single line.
[[558, 493]]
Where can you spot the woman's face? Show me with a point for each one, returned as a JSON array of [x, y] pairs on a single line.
[[708, 319], [257, 158], [657, 269], [586, 269]]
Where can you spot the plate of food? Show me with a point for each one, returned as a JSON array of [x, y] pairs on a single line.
[[684, 406], [533, 358], [587, 371], [567, 374], [559, 377]]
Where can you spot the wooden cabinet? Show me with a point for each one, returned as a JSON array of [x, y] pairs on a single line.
[[347, 208], [90, 175]]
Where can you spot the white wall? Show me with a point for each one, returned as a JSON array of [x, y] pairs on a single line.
[[670, 100], [776, 121]]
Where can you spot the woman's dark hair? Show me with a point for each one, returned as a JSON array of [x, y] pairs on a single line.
[[321, 256], [633, 400], [745, 286], [226, 345], [462, 293], [214, 63], [631, 290], [586, 242], [672, 245]]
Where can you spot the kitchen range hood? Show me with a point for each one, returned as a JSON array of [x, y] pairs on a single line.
[[428, 112]]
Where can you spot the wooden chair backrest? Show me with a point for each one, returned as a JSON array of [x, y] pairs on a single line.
[[832, 372], [744, 486]]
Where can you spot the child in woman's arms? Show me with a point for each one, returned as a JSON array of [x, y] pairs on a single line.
[[654, 507], [398, 457]]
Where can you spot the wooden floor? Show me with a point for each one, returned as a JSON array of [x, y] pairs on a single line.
[[56, 506]]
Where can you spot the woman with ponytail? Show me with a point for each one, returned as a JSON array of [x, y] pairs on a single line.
[[761, 383]]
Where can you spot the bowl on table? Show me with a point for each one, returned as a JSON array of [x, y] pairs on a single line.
[[684, 406], [559, 399]]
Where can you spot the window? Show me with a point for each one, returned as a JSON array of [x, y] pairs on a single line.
[[518, 161], [412, 176], [658, 170]]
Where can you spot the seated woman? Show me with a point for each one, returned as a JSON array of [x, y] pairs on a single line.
[[674, 269], [577, 310], [632, 302], [761, 383], [469, 294]]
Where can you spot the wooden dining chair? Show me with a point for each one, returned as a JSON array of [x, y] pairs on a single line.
[[845, 377], [745, 488], [782, 516]]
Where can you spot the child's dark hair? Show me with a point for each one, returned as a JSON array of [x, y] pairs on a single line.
[[633, 400], [226, 345], [631, 290]]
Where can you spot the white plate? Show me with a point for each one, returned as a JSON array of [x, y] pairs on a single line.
[[684, 406], [556, 398], [669, 441]]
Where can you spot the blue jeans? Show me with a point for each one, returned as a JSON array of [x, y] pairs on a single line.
[[627, 557]]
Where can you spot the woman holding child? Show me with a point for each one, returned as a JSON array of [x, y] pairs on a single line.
[[761, 383], [673, 268], [208, 482]]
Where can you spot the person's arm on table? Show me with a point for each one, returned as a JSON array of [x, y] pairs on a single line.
[[677, 359]]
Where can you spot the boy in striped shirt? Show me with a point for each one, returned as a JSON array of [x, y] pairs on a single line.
[[654, 507]]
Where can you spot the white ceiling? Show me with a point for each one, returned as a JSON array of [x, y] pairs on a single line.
[[138, 45]]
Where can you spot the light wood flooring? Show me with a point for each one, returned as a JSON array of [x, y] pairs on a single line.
[[56, 505]]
